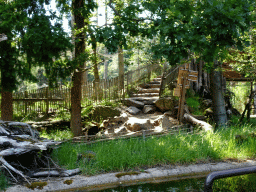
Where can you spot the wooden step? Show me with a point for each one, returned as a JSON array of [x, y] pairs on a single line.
[[151, 90], [157, 79], [146, 95], [147, 86], [155, 82]]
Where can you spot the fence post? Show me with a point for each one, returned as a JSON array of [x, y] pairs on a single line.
[[26, 103], [47, 100]]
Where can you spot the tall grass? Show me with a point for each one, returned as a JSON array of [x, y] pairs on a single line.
[[135, 153], [241, 92]]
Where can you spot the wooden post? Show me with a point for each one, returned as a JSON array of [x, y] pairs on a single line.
[[182, 99], [26, 103], [47, 100]]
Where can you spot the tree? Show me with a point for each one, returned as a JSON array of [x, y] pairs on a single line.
[[81, 11], [219, 27], [32, 40]]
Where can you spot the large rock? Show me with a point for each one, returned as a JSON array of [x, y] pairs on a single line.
[[165, 104], [104, 112], [163, 121], [148, 109], [132, 102], [114, 120], [138, 124], [133, 110]]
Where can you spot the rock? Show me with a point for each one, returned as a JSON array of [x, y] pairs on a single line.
[[166, 123], [138, 124], [114, 121], [207, 103], [122, 130], [131, 102], [93, 130], [104, 112], [165, 104], [133, 110], [168, 113], [148, 109], [163, 121]]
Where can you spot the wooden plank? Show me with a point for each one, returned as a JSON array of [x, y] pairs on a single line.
[[183, 73], [195, 73], [176, 92], [192, 78]]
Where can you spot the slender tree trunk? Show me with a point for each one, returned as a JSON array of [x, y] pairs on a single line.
[[219, 111], [77, 76], [106, 66], [121, 67], [95, 64], [7, 83], [6, 106], [106, 50]]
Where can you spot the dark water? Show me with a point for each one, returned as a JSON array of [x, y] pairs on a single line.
[[172, 186], [244, 183]]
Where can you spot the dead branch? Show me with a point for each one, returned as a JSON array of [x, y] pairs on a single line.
[[205, 126]]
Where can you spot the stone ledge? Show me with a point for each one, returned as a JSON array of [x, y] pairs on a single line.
[[151, 175]]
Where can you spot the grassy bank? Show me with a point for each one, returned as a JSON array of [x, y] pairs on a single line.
[[138, 154]]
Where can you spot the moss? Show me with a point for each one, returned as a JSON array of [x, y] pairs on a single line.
[[68, 182], [118, 175], [37, 185]]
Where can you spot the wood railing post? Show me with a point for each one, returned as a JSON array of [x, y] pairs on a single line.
[[47, 100], [26, 103]]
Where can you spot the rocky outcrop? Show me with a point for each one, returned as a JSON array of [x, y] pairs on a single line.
[[103, 112], [166, 104], [133, 110], [138, 124], [148, 109], [132, 102]]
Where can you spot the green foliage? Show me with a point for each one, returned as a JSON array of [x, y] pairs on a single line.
[[57, 135], [3, 181], [237, 183], [26, 23], [241, 92], [133, 153]]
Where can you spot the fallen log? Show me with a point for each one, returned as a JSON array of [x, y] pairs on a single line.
[[21, 148], [205, 126]]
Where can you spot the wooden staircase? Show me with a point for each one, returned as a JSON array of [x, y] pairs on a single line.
[[149, 90]]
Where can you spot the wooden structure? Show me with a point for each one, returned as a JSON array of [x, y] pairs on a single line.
[[184, 78], [47, 100]]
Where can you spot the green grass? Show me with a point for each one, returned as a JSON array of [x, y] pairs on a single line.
[[57, 135], [136, 153], [3, 181]]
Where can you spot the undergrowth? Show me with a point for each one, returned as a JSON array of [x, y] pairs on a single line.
[[135, 153]]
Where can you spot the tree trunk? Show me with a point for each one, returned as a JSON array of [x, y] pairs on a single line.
[[6, 106], [106, 66], [219, 111], [77, 76], [121, 67]]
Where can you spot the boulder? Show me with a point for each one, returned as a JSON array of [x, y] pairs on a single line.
[[104, 112], [138, 124], [132, 102], [133, 110], [110, 122], [148, 109], [165, 104], [163, 121]]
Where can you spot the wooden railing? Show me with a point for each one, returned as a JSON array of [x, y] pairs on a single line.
[[168, 77], [47, 100]]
